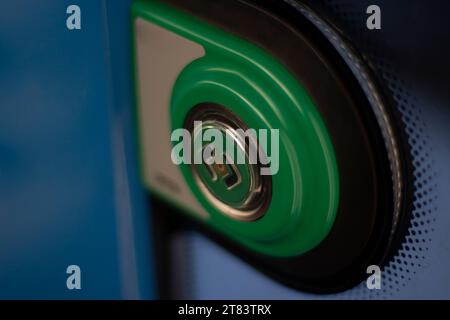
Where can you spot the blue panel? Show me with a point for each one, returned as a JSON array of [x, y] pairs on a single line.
[[69, 190]]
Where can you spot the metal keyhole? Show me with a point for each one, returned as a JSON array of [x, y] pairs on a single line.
[[238, 190]]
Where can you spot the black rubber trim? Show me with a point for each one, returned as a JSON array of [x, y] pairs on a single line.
[[360, 236]]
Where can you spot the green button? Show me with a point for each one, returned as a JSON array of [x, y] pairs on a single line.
[[258, 89]]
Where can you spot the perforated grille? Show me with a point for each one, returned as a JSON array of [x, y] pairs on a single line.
[[412, 256]]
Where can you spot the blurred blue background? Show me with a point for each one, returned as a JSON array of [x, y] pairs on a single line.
[[69, 189]]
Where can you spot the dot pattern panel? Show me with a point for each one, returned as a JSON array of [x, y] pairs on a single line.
[[411, 257]]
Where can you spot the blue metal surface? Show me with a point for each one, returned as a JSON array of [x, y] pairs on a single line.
[[69, 190]]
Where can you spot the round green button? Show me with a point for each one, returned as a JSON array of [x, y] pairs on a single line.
[[253, 85]]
